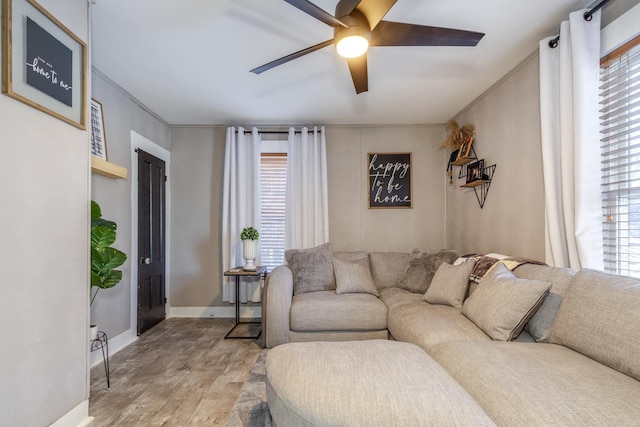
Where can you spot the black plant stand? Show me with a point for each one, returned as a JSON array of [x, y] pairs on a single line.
[[102, 343]]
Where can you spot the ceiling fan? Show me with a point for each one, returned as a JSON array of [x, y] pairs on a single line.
[[358, 24]]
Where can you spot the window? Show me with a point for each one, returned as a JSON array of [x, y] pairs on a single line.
[[620, 144], [273, 185]]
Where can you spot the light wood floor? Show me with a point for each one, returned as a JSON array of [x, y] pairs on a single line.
[[180, 373]]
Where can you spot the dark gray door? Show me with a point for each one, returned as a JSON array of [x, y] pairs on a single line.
[[151, 241]]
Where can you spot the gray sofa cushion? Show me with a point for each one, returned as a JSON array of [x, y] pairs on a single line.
[[354, 277], [388, 267], [364, 383], [312, 269], [535, 384], [426, 325], [393, 297], [503, 303], [328, 311], [600, 318], [450, 284], [540, 324]]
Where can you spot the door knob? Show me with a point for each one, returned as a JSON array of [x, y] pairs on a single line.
[[145, 260]]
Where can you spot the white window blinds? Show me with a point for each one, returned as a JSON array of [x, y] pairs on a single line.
[[273, 186], [620, 144]]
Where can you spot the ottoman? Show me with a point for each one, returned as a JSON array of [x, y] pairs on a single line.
[[364, 383]]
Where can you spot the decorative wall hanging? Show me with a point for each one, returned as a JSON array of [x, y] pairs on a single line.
[[98, 137], [43, 62], [389, 180]]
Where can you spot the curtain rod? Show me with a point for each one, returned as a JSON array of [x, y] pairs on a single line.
[[588, 15], [274, 132]]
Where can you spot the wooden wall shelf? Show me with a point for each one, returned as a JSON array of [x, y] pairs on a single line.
[[108, 169], [464, 161], [481, 186], [476, 183]]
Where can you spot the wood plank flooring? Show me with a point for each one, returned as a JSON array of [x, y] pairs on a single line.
[[180, 373]]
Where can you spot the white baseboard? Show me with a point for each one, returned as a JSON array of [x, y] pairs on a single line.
[[215, 312], [116, 344], [77, 417]]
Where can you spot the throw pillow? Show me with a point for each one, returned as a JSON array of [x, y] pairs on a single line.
[[354, 277], [415, 276], [504, 303], [312, 269], [449, 285], [422, 267], [433, 261]]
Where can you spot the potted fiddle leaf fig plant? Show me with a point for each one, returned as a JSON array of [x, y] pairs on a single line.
[[249, 237], [104, 258]]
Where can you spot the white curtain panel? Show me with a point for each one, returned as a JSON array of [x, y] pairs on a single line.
[[240, 208], [307, 212], [570, 144]]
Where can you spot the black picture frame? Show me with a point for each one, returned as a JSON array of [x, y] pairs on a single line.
[[44, 64], [475, 171], [389, 180], [98, 135]]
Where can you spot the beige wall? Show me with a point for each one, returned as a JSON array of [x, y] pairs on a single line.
[[111, 310], [44, 223], [352, 225], [507, 120], [197, 160]]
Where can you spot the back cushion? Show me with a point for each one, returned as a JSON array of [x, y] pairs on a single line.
[[312, 269], [354, 256], [540, 324], [387, 268], [599, 317]]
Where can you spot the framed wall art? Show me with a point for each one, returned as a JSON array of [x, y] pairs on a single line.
[[475, 171], [389, 180], [98, 136], [43, 62], [465, 149]]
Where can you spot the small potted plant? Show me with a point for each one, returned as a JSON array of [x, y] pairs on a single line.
[[249, 237], [104, 258]]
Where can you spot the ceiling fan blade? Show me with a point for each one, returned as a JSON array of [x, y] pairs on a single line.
[[398, 34], [345, 7], [291, 57], [358, 69], [317, 12], [375, 10]]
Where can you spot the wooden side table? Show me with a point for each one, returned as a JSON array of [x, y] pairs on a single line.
[[238, 272]]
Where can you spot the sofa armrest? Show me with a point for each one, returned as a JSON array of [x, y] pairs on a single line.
[[279, 293]]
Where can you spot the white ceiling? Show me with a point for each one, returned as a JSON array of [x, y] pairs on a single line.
[[189, 60]]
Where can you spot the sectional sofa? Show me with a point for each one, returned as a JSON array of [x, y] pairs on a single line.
[[519, 344]]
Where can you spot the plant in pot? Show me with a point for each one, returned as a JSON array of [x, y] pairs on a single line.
[[104, 258], [249, 237]]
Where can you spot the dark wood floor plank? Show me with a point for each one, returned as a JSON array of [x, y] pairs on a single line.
[[182, 372]]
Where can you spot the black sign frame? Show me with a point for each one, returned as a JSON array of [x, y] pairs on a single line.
[[389, 178]]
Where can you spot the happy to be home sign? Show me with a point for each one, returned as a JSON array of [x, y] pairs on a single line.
[[389, 180]]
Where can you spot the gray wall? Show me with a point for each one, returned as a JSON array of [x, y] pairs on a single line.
[[44, 256], [197, 167], [197, 161], [507, 120], [111, 310]]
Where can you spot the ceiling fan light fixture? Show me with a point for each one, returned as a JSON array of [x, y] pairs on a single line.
[[352, 46]]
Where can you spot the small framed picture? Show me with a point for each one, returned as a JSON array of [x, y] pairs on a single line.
[[465, 149], [475, 171], [98, 137]]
